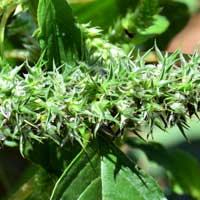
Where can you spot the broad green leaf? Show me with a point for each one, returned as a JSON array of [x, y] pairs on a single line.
[[183, 168], [58, 34], [98, 174]]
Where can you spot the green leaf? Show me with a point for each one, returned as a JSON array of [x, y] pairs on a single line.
[[98, 174], [183, 168], [58, 34], [93, 11], [160, 24]]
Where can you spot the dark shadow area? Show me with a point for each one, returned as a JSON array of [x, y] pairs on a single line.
[[12, 166]]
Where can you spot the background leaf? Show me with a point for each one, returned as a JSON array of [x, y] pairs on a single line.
[[58, 34], [182, 167]]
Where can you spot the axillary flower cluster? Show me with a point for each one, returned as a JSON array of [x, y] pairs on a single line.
[[110, 93]]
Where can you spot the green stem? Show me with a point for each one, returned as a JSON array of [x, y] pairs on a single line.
[[4, 20], [25, 191]]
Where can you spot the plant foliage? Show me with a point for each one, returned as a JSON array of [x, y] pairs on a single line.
[[112, 99], [97, 169], [176, 163], [59, 37], [81, 91]]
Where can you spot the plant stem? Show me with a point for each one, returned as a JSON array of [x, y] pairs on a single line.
[[4, 20]]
